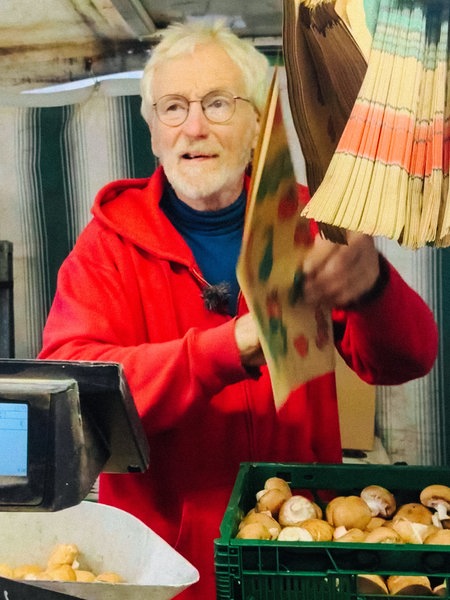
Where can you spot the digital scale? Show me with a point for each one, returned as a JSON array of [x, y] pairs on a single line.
[[61, 425]]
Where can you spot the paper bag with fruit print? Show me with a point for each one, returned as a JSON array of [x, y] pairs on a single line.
[[296, 338]]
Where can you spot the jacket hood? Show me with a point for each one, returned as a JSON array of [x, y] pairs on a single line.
[[130, 208]]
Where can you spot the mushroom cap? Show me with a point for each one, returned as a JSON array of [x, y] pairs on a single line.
[[253, 531], [295, 510], [375, 522], [279, 484], [320, 530], [84, 576], [380, 500], [293, 533], [369, 583], [410, 532], [435, 495], [415, 512], [352, 535], [409, 585], [349, 511], [440, 590], [63, 554], [271, 500], [438, 536], [383, 535], [265, 519]]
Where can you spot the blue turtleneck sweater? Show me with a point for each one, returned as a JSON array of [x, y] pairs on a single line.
[[214, 237]]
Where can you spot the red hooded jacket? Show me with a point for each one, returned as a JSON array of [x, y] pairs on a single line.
[[131, 292]]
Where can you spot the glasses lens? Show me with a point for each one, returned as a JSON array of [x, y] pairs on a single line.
[[218, 106], [172, 110]]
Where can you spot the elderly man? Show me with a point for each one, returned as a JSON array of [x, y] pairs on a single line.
[[151, 284]]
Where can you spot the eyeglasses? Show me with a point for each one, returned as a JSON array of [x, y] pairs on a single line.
[[217, 106]]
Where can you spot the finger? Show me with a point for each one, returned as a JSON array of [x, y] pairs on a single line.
[[319, 255]]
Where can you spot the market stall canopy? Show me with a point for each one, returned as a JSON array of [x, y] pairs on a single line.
[[57, 41]]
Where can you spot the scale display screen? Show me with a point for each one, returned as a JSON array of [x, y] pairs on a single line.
[[13, 439]]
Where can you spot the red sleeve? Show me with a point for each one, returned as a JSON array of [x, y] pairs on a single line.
[[391, 339], [92, 319]]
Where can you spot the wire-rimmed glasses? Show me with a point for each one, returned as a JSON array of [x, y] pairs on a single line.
[[218, 107]]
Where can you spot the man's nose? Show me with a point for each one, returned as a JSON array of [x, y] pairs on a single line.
[[196, 123]]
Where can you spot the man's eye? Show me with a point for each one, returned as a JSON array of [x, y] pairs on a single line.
[[173, 107], [218, 102]]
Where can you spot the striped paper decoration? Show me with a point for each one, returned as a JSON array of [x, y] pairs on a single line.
[[389, 175]]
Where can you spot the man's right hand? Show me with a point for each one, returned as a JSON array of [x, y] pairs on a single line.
[[247, 340]]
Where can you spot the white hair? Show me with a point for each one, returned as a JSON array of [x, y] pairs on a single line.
[[181, 38]]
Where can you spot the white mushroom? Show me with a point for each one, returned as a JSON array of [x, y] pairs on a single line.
[[380, 500]]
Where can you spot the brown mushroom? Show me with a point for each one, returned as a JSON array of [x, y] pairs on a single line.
[[295, 510], [63, 554], [109, 577], [271, 501], [437, 497], [278, 484], [368, 583], [349, 511], [415, 512], [375, 522], [84, 576], [320, 530], [410, 532], [380, 500], [354, 535], [383, 535], [253, 531], [293, 533], [440, 589], [440, 537], [409, 585], [265, 519]]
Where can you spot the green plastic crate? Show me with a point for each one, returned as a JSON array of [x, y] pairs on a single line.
[[272, 570]]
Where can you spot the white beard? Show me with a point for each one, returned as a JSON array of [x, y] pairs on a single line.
[[204, 181]]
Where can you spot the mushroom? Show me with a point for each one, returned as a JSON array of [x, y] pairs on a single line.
[[368, 583], [440, 590], [320, 530], [295, 510], [253, 531], [375, 522], [265, 519], [293, 533], [63, 554], [84, 576], [352, 535], [271, 500], [62, 572], [349, 511], [437, 497], [383, 535], [440, 537], [380, 500], [278, 484], [415, 512], [109, 577], [24, 571], [409, 585], [410, 532]]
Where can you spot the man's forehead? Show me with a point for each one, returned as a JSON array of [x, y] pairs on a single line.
[[205, 69]]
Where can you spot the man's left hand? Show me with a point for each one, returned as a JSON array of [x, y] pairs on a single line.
[[337, 274]]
